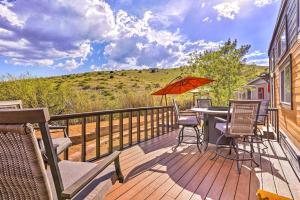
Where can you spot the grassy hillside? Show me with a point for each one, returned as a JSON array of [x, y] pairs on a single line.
[[96, 90]]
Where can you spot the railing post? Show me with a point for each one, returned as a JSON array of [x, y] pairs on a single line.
[[130, 128], [138, 126], [172, 119], [168, 120], [110, 133], [121, 130], [98, 136], [152, 123], [83, 140], [145, 125], [157, 122], [66, 152], [163, 121]]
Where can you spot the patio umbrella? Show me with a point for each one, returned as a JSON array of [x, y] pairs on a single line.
[[181, 85]]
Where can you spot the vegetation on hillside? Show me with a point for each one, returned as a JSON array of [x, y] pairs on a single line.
[[227, 67], [132, 88]]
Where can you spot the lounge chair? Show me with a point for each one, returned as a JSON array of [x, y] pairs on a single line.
[[22, 171], [61, 143]]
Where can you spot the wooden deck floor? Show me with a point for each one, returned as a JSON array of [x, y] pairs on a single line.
[[154, 170]]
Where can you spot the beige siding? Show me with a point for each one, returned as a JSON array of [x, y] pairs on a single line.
[[290, 118]]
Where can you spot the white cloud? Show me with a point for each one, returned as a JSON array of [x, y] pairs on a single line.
[[256, 53], [39, 31], [260, 61], [262, 3], [206, 19], [227, 9], [138, 45]]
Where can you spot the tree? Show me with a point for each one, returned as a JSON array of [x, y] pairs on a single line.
[[226, 66]]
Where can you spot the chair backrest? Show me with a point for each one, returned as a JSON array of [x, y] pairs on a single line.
[[204, 103], [263, 111], [14, 104], [243, 117], [177, 111], [22, 171]]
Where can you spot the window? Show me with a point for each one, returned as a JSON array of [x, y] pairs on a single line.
[[281, 44], [285, 85], [261, 93], [249, 94]]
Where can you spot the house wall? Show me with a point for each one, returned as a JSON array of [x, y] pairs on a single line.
[[289, 116]]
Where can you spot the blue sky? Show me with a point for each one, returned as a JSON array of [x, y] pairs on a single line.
[[46, 38]]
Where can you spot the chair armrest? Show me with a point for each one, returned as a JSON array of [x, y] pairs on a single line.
[[53, 127], [73, 189], [220, 119], [188, 113]]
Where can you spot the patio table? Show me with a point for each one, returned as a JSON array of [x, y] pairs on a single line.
[[211, 134]]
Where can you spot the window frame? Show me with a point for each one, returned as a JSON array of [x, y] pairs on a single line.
[[287, 64]]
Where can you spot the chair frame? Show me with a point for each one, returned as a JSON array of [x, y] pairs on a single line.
[[233, 144], [195, 127], [17, 104], [41, 117], [204, 99]]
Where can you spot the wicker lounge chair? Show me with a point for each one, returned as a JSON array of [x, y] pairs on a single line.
[[61, 144], [240, 125], [187, 119], [22, 171]]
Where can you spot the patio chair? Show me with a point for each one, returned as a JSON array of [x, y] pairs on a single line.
[[23, 174], [240, 125], [203, 103], [262, 119], [187, 119], [61, 144]]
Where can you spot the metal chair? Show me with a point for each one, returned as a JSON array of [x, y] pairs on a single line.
[[203, 103], [23, 174], [187, 119], [240, 125], [61, 144]]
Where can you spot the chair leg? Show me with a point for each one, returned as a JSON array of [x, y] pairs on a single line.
[[118, 170], [230, 144], [252, 151], [217, 145], [235, 147], [198, 138]]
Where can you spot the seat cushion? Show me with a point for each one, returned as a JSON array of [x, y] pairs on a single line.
[[188, 120], [61, 144], [221, 127], [73, 171]]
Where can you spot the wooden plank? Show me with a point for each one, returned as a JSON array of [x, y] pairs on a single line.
[[83, 140], [130, 128], [98, 137], [243, 186], [174, 179], [220, 181], [208, 181], [138, 125], [121, 131], [152, 123], [183, 181], [171, 170], [195, 181], [150, 175], [293, 181], [110, 133], [278, 175]]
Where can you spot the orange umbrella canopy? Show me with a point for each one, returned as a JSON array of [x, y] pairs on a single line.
[[183, 85]]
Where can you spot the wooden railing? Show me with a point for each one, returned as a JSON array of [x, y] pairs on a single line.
[[105, 128]]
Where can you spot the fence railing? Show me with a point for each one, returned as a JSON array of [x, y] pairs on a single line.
[[97, 134]]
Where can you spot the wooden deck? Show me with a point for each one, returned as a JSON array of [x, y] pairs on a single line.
[[154, 170]]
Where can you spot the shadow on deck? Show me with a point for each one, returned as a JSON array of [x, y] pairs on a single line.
[[155, 170]]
